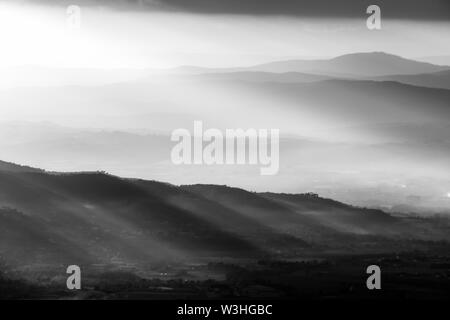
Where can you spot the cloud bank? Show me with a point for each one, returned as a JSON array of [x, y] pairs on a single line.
[[435, 10]]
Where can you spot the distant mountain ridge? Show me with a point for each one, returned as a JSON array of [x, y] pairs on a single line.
[[370, 64], [440, 79], [358, 64], [364, 64], [260, 76]]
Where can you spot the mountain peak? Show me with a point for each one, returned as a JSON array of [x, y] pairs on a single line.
[[372, 56], [362, 64]]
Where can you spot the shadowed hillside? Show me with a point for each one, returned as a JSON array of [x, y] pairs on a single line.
[[99, 218], [7, 166], [119, 229]]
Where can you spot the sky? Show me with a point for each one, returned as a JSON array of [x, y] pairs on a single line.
[[169, 33], [403, 9]]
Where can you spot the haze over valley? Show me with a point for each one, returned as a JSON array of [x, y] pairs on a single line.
[[358, 135]]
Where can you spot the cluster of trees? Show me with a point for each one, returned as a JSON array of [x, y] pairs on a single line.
[[311, 195]]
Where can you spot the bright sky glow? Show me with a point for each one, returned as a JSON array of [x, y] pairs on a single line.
[[38, 35]]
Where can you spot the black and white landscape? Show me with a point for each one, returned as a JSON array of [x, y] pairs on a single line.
[[87, 179]]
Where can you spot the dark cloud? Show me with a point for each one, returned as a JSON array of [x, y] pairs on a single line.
[[402, 9]]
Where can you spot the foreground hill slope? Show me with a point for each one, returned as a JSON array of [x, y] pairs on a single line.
[[11, 167], [98, 218]]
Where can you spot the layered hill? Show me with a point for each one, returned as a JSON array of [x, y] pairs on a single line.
[[96, 218], [431, 80], [364, 64]]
